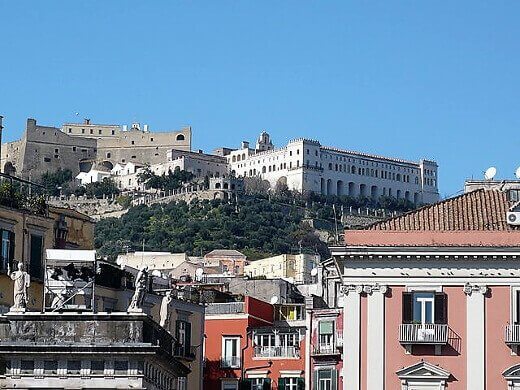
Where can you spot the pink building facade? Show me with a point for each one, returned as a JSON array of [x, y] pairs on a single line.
[[431, 299]]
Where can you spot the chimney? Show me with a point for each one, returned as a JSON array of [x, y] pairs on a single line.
[[245, 145]]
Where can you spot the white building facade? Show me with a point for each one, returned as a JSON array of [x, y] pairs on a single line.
[[307, 166]]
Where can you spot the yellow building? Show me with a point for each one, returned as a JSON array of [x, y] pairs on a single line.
[[294, 268]]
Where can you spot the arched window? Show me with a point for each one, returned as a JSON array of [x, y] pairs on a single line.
[[180, 137]]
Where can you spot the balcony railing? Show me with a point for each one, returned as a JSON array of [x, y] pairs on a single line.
[[423, 334], [230, 362], [326, 349], [512, 334], [339, 339], [21, 194], [277, 351]]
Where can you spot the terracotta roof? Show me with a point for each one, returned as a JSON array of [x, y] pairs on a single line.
[[483, 210], [224, 252]]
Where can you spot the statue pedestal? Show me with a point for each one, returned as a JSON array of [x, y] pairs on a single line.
[[17, 310], [136, 310]]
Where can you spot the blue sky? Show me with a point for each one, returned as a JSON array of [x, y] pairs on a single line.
[[408, 79]]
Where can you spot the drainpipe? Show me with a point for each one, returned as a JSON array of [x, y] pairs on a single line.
[[308, 327], [242, 351]]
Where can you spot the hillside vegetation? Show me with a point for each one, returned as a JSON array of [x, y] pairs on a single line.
[[257, 227]]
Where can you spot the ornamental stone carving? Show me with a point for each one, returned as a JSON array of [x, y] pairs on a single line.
[[475, 288]]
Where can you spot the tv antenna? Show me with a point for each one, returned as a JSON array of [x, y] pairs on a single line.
[[517, 173], [490, 173]]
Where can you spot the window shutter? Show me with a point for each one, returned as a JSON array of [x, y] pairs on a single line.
[[407, 308], [441, 313], [11, 249], [281, 383], [334, 376], [177, 337], [245, 384], [187, 343], [301, 383], [315, 380], [267, 384], [517, 317]]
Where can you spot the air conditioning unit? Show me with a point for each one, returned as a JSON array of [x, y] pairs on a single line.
[[513, 217]]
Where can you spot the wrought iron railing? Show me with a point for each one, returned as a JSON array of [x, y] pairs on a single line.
[[276, 351], [423, 333]]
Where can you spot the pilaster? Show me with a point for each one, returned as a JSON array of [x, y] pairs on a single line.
[[475, 335]]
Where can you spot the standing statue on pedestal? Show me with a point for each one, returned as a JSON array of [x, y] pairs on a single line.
[[141, 284], [165, 313], [22, 280]]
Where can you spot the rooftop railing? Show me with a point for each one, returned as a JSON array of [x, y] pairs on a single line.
[[225, 308], [21, 194]]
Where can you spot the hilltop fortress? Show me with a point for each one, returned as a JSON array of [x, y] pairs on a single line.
[[78, 146]]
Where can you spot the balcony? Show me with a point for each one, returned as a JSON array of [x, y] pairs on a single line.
[[339, 339], [326, 349], [230, 362], [433, 334], [512, 334], [181, 352], [21, 194], [277, 352]]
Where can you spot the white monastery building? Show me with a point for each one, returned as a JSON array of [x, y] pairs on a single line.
[[307, 166]]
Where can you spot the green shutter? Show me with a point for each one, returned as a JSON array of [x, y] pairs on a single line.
[[281, 383], [326, 327], [187, 343], [36, 256], [267, 384], [11, 249], [334, 376], [301, 384], [245, 384]]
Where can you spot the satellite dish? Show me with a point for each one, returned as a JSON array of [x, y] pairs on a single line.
[[517, 173], [156, 273], [199, 272], [274, 300], [490, 173], [314, 271]]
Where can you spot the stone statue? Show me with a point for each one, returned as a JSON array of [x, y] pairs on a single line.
[[141, 282], [164, 313], [22, 280]]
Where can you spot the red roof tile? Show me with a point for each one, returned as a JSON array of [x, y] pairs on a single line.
[[483, 210]]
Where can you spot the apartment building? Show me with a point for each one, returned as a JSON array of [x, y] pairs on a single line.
[[294, 268], [249, 347], [431, 298]]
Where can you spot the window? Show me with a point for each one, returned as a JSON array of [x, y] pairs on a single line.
[[73, 367], [183, 335], [91, 131], [70, 130], [258, 383], [230, 352], [27, 366], [326, 331], [100, 132], [46, 159], [291, 384], [7, 249], [82, 131], [121, 367], [113, 132], [181, 383], [50, 367], [73, 148], [326, 379], [97, 367], [109, 155], [36, 267], [424, 307], [180, 137], [229, 385]]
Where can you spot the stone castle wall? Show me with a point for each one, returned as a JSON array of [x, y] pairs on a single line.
[[46, 149]]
